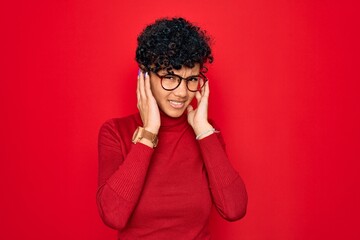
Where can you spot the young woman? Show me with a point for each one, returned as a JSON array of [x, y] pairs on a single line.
[[161, 169]]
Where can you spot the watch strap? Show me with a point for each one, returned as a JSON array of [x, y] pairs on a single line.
[[143, 133]]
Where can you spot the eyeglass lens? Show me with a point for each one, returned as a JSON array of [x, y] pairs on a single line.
[[170, 82]]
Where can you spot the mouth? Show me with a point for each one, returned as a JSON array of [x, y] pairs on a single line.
[[177, 104]]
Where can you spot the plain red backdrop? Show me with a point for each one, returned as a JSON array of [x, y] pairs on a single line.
[[284, 89]]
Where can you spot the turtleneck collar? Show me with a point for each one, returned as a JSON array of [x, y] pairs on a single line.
[[167, 121]]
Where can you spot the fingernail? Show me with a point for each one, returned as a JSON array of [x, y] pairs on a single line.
[[139, 72], [146, 74]]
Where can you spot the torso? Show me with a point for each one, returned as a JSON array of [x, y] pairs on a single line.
[[176, 197]]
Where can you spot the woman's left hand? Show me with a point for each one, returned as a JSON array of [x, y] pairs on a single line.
[[198, 118]]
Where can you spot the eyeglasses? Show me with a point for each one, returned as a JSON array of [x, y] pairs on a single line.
[[171, 81]]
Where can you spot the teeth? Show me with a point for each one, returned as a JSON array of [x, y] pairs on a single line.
[[176, 103]]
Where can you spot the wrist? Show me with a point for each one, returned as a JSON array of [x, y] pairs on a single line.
[[146, 142], [201, 128], [154, 130], [206, 133], [144, 136]]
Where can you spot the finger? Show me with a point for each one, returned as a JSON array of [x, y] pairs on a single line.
[[141, 85], [147, 85], [190, 108], [137, 88], [203, 87], [206, 89], [198, 96]]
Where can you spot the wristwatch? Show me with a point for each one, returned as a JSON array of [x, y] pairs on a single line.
[[140, 133]]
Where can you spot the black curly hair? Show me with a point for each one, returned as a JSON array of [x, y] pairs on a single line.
[[172, 43]]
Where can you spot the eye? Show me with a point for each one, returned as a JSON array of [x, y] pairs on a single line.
[[193, 79], [169, 77]]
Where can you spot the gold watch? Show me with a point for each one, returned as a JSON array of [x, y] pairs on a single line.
[[140, 133]]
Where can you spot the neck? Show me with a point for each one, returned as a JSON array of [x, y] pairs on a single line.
[[167, 121]]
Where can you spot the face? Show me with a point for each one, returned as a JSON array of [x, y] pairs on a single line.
[[173, 103]]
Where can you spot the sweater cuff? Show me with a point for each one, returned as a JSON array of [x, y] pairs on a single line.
[[210, 137]]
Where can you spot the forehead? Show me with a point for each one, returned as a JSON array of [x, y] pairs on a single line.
[[184, 71]]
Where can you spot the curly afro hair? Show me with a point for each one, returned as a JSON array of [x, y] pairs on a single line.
[[172, 43]]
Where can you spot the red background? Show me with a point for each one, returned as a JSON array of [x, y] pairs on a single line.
[[284, 89]]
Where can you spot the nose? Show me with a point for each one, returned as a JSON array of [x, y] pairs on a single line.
[[181, 90]]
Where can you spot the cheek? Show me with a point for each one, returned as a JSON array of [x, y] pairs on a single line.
[[158, 92]]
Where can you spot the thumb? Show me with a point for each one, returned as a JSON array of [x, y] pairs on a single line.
[[190, 108]]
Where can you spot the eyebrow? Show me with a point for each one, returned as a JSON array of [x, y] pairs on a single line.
[[164, 73]]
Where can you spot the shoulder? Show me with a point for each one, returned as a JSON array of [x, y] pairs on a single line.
[[119, 126], [119, 123]]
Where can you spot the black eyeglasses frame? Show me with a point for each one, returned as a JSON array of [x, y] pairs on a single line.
[[187, 79]]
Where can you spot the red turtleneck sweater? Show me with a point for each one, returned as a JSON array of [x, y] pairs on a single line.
[[166, 192]]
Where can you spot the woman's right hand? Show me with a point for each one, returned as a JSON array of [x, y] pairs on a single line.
[[146, 103]]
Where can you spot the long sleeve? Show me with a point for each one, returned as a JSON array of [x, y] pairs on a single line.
[[226, 186], [121, 175]]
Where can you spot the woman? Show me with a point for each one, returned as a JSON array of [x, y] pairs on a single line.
[[160, 170]]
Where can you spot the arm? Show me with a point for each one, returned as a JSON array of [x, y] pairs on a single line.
[[121, 177], [121, 174], [226, 186]]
